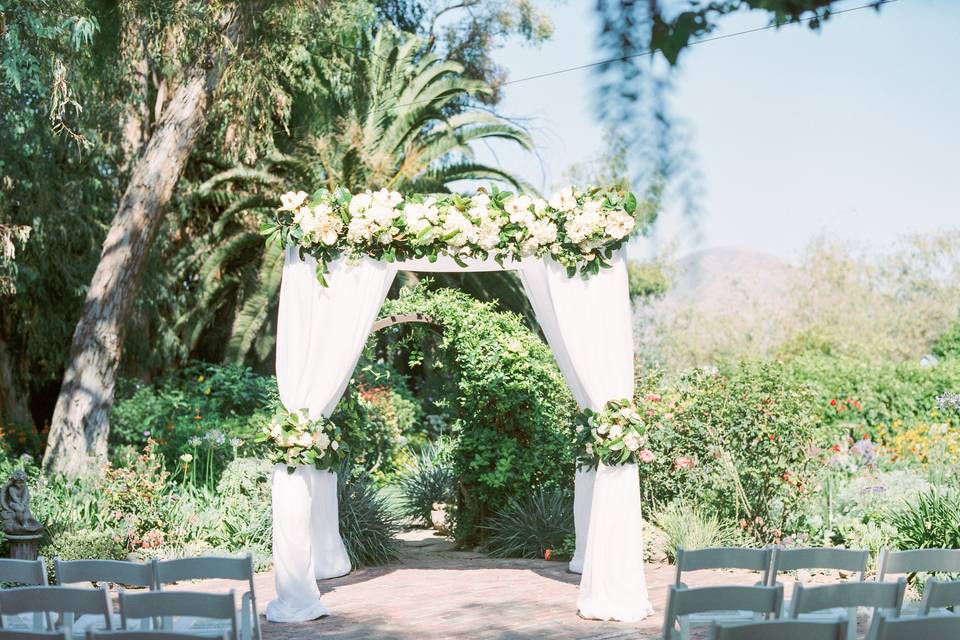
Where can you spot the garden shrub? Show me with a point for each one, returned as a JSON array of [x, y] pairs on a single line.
[[511, 413], [691, 527], [742, 442], [429, 478], [367, 524], [948, 344], [931, 520], [528, 526], [208, 411]]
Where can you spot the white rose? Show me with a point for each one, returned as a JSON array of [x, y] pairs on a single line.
[[334, 445], [563, 200], [304, 440], [519, 209], [631, 441], [480, 200], [539, 206], [291, 201], [359, 203], [322, 441], [589, 449], [619, 226], [359, 230], [385, 238], [615, 431], [389, 199]]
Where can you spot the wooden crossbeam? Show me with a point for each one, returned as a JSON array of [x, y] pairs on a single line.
[[389, 321]]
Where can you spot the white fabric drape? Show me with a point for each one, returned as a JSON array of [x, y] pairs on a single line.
[[588, 324], [320, 334]]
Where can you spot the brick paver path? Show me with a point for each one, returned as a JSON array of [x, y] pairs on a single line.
[[433, 591]]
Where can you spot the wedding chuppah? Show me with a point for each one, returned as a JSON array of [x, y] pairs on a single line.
[[342, 253]]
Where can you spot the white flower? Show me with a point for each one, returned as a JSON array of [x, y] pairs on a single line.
[[539, 206], [359, 230], [631, 441], [489, 235], [619, 224], [615, 431], [480, 200], [322, 441], [387, 199], [385, 237], [419, 217], [543, 231], [359, 203], [518, 207], [563, 200], [304, 440], [456, 221], [334, 445], [589, 449], [291, 201]]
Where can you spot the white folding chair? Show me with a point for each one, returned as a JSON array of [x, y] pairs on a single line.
[[22, 634], [26, 573], [103, 573], [941, 627], [142, 635], [683, 601], [780, 630], [68, 603], [938, 595], [216, 568], [848, 597], [914, 561], [689, 560], [821, 558], [169, 605]]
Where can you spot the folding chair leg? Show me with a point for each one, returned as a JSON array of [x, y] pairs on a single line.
[[852, 623], [245, 622], [684, 627]]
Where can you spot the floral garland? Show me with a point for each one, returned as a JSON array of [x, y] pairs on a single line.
[[617, 434], [299, 441], [578, 229]]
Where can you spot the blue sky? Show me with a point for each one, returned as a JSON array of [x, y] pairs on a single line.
[[851, 132]]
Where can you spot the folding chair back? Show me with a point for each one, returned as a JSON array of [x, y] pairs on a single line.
[[213, 567], [781, 630], [66, 601], [723, 558], [169, 604], [818, 558], [224, 568], [938, 594], [682, 601], [134, 574], [848, 595], [19, 634], [25, 572], [917, 560], [147, 635], [916, 628]]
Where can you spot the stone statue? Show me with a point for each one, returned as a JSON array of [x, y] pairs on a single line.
[[15, 507]]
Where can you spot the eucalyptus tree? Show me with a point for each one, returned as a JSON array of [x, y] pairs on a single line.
[[406, 122]]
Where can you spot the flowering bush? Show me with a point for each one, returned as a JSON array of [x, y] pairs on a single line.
[[578, 229], [297, 440], [615, 435]]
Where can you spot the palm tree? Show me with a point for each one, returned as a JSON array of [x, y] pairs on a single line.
[[405, 122]]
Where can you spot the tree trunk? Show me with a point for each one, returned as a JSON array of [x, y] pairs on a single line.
[[78, 433], [14, 407]]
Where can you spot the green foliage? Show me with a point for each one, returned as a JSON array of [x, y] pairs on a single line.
[[948, 344], [528, 527], [429, 478], [367, 524], [212, 412], [510, 408], [646, 279], [930, 521], [742, 442], [692, 527]]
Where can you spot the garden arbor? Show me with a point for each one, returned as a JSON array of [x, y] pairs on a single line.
[[322, 328]]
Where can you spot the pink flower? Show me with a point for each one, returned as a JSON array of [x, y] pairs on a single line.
[[653, 397], [646, 456], [684, 462]]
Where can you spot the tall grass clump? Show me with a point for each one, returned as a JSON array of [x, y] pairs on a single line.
[[686, 527], [367, 524], [526, 527]]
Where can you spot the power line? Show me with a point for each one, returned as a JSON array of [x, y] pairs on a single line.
[[649, 52]]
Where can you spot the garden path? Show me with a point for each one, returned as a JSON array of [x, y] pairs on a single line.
[[433, 591]]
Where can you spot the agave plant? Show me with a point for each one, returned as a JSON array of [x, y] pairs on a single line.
[[405, 122]]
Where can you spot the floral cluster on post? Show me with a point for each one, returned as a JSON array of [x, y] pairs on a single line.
[[299, 441], [617, 434], [578, 229]]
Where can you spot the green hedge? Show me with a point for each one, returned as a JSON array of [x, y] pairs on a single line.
[[511, 410]]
